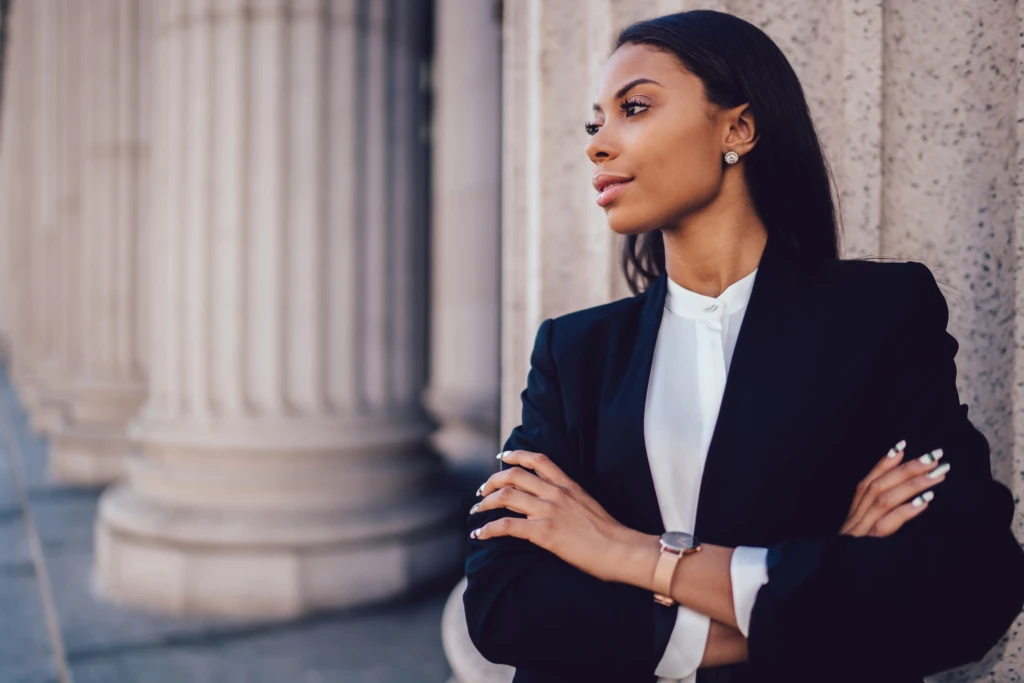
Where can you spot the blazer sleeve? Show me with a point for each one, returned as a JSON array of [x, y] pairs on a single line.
[[937, 594], [526, 607]]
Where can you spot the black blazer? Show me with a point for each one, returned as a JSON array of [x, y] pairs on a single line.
[[834, 364]]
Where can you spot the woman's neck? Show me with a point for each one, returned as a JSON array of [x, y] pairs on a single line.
[[708, 256]]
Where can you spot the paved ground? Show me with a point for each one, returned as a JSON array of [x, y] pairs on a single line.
[[101, 642]]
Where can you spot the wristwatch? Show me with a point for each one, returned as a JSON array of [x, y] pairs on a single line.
[[674, 544]]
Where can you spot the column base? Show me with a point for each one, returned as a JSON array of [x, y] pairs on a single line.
[[48, 418], [27, 388], [262, 564], [84, 456], [462, 444], [468, 431], [47, 405]]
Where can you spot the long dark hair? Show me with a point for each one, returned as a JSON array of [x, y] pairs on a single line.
[[786, 171]]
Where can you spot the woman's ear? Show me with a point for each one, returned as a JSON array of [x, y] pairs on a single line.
[[741, 134]]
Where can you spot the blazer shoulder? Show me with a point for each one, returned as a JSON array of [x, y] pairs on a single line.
[[867, 272], [890, 293], [596, 322], [897, 281]]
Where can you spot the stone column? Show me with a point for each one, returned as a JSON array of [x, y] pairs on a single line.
[[5, 228], [20, 149], [44, 240], [109, 383], [284, 466], [466, 268], [44, 218], [15, 188], [465, 236], [56, 202]]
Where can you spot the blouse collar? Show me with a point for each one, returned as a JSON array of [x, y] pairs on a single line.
[[690, 304]]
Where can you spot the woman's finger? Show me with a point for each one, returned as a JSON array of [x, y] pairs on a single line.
[[541, 464], [517, 477], [891, 499], [892, 479], [506, 526], [894, 520], [889, 461], [514, 500], [551, 473], [908, 470]]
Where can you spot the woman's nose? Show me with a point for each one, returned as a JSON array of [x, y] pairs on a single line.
[[599, 147]]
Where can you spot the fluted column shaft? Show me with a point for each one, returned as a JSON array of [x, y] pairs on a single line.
[[56, 196], [465, 269], [15, 191], [19, 150], [43, 228], [108, 383], [283, 436]]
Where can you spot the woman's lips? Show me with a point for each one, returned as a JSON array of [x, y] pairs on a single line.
[[608, 195]]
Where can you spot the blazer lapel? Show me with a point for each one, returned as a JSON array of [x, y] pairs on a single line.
[[773, 364], [774, 352], [629, 494]]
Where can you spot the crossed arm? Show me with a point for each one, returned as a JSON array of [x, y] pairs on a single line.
[[549, 604], [575, 527]]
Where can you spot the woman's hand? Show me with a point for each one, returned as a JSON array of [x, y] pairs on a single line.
[[560, 517], [892, 494]]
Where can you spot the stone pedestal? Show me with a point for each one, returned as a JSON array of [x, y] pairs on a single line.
[[283, 465]]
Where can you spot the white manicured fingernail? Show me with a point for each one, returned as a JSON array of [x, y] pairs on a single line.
[[501, 456], [475, 533], [925, 497], [897, 448], [473, 509], [939, 471], [929, 458], [480, 491]]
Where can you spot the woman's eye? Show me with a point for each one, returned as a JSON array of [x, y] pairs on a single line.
[[629, 105]]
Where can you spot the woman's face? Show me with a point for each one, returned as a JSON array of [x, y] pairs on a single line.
[[656, 134]]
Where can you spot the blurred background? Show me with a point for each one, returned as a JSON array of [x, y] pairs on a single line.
[[270, 273]]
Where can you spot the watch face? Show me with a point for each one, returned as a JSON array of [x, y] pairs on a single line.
[[678, 540]]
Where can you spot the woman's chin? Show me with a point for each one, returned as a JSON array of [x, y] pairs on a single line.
[[622, 223]]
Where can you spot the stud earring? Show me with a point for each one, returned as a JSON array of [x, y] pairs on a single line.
[[731, 157]]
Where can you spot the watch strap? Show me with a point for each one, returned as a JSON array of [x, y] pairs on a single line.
[[663, 573], [668, 561]]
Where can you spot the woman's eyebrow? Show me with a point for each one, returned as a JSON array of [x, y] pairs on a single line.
[[626, 88]]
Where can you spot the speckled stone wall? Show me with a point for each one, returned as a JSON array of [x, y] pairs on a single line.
[[918, 106]]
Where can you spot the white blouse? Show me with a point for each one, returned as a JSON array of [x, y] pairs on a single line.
[[691, 359]]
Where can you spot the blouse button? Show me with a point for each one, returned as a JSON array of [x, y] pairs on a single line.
[[712, 307]]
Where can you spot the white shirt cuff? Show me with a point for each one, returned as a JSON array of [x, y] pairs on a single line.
[[749, 571], [686, 645]]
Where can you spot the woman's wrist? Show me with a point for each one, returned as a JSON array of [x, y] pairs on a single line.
[[634, 560]]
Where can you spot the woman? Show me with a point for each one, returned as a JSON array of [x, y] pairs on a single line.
[[826, 552]]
